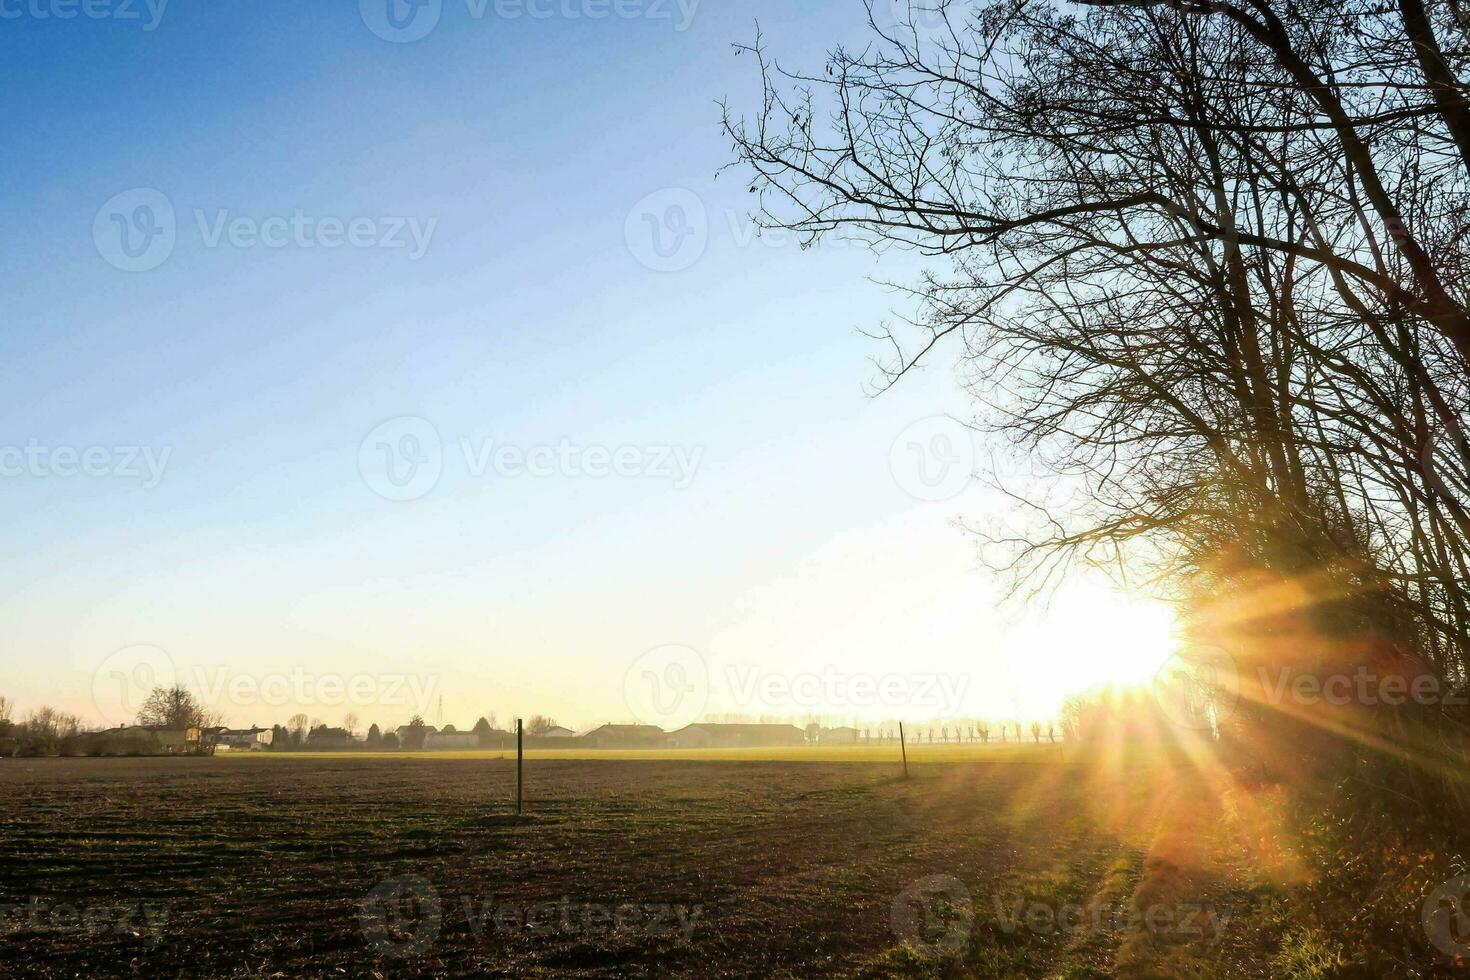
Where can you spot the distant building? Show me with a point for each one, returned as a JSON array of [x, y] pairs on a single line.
[[243, 739], [173, 741], [622, 737], [839, 736], [711, 736], [331, 738], [557, 731], [448, 739]]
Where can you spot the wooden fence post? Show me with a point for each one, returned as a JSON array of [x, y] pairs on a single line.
[[903, 747]]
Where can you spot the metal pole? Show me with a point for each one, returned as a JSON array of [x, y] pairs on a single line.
[[520, 761]]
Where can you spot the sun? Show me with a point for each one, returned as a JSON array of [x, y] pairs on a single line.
[[1093, 636]]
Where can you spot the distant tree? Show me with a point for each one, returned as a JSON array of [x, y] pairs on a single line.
[[375, 737], [483, 732], [390, 741], [280, 738], [350, 723], [300, 726], [45, 729], [6, 708], [540, 725], [984, 732], [1036, 732], [449, 729], [174, 708], [417, 735]]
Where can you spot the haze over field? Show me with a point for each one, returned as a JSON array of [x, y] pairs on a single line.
[[769, 518]]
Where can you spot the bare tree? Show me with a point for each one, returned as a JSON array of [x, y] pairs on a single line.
[[175, 708], [1204, 268]]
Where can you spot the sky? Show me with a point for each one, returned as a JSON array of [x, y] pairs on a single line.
[[388, 358]]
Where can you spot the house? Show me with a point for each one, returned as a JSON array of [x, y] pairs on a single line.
[[839, 736], [721, 736], [450, 739], [557, 731], [174, 741], [243, 739], [331, 738], [622, 737], [415, 736], [495, 738]]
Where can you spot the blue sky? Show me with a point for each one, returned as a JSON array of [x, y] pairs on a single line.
[[520, 148]]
